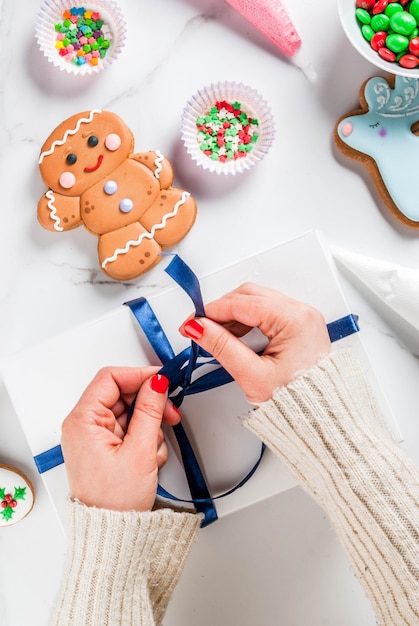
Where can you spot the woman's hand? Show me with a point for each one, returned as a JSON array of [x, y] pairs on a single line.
[[109, 465], [296, 333]]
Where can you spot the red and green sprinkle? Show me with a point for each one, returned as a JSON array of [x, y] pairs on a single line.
[[226, 132], [82, 36]]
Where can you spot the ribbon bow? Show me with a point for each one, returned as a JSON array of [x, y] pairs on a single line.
[[179, 370]]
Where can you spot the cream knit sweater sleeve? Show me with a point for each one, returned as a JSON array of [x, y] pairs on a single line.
[[325, 426], [121, 567]]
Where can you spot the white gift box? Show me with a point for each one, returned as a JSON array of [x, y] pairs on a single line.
[[55, 373]]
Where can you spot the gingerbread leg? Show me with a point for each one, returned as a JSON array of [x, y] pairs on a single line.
[[128, 252], [170, 217]]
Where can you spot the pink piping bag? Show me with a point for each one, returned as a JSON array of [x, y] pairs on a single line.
[[271, 19]]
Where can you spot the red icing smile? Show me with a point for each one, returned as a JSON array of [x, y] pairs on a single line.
[[95, 167]]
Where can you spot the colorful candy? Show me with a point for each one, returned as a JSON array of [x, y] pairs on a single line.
[[226, 131], [391, 28], [82, 36]]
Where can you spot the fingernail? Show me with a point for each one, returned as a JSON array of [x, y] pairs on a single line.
[[178, 412], [159, 383], [194, 329]]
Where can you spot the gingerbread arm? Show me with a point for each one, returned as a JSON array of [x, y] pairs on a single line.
[[57, 212], [158, 164]]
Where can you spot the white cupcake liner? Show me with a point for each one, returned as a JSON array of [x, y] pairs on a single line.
[[252, 103], [50, 13]]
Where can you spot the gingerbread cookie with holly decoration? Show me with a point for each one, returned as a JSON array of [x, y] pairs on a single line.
[[16, 495]]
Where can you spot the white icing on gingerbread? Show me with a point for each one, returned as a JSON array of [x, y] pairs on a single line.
[[72, 131], [53, 210], [158, 163], [147, 235]]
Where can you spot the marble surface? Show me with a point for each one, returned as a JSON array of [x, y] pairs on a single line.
[[276, 562]]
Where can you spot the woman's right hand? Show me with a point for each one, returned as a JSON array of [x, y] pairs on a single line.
[[296, 333]]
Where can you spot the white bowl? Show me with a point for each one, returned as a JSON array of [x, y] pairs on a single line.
[[346, 9]]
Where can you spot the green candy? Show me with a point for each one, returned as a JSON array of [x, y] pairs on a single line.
[[380, 22], [397, 43], [414, 9], [403, 23], [367, 32], [392, 8], [363, 16]]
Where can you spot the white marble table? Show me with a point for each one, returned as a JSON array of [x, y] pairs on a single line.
[[276, 562]]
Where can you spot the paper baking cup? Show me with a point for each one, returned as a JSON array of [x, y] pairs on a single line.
[[51, 13], [251, 103]]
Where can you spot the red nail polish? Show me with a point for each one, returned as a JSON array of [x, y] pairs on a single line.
[[178, 412], [194, 329], [159, 383]]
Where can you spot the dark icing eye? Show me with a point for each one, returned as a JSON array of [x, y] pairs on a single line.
[[71, 158], [92, 141]]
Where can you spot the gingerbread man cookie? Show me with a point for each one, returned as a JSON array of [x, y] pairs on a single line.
[[382, 135], [125, 199], [16, 495]]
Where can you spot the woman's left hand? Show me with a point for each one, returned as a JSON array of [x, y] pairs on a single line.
[[110, 465]]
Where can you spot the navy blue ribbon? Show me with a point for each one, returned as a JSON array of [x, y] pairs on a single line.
[[181, 372], [49, 459], [343, 327]]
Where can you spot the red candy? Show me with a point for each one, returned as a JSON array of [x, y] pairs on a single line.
[[378, 40], [409, 61], [365, 4], [387, 54], [380, 6], [414, 46]]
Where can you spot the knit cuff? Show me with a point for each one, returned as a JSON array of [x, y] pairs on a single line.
[[122, 567], [316, 422]]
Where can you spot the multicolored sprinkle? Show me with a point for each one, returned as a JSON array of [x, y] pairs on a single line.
[[226, 131], [82, 36]]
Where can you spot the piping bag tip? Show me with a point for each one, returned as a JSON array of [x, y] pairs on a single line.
[[301, 60]]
